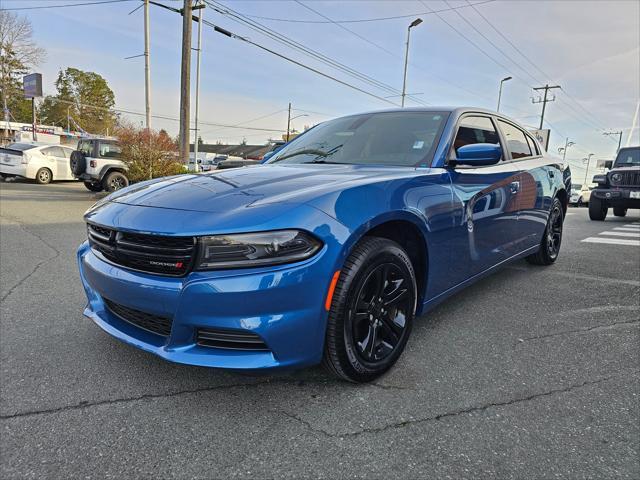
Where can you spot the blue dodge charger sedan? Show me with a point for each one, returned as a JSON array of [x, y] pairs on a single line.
[[329, 250]]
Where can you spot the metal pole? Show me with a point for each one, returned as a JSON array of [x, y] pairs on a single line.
[[196, 138], [185, 93], [544, 106], [34, 135], [586, 173], [147, 67], [288, 121], [499, 96], [406, 61], [619, 140], [564, 154]]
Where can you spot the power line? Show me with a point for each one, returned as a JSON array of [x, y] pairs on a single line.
[[363, 20], [39, 7], [233, 15]]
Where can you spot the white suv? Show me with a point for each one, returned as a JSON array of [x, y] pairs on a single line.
[[97, 163]]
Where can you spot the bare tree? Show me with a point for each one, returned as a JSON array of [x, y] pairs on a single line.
[[18, 54]]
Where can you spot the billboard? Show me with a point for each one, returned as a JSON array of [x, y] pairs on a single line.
[[32, 85], [542, 136]]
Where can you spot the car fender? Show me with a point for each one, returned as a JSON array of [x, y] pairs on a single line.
[[118, 167]]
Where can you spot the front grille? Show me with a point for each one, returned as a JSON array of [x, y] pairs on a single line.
[[628, 179], [148, 253], [230, 339], [152, 323]]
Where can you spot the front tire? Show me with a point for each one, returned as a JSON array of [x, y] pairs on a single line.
[[371, 312], [114, 181], [619, 211], [597, 209], [552, 237], [43, 176]]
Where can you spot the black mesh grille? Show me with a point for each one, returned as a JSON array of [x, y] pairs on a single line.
[[629, 179], [230, 339], [148, 253], [153, 323]]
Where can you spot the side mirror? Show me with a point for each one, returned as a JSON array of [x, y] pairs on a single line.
[[608, 164], [478, 154]]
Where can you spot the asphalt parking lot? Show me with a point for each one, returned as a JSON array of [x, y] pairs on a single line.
[[531, 373]]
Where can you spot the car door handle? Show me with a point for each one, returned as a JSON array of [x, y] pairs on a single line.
[[514, 187]]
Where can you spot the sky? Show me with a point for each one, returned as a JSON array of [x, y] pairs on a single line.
[[457, 58]]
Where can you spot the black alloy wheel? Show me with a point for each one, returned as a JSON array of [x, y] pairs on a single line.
[[552, 237], [114, 181], [379, 318], [372, 311]]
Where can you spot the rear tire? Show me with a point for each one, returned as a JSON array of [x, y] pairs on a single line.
[[597, 209], [552, 237], [372, 311], [114, 181], [44, 176], [93, 186], [619, 211]]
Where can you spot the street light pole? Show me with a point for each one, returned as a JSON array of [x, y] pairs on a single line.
[[196, 137], [415, 23], [500, 92], [147, 67], [289, 118], [567, 144]]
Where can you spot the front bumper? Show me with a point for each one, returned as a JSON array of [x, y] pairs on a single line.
[[281, 304], [619, 197]]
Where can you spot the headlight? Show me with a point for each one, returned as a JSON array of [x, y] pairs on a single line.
[[616, 178], [600, 179], [255, 249]]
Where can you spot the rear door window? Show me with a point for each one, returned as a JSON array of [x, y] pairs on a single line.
[[516, 140], [53, 151]]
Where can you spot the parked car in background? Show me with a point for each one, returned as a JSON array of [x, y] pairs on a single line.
[[580, 194], [97, 163], [619, 187], [328, 251], [42, 163]]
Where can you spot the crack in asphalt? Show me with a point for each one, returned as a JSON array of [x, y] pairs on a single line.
[[594, 328], [146, 396], [20, 282], [454, 413]]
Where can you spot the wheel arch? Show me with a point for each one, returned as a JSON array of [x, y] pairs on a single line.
[[107, 169], [406, 229]]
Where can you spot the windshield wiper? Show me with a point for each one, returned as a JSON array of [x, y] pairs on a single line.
[[324, 161], [306, 151]]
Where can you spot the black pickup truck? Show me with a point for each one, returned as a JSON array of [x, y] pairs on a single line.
[[619, 187]]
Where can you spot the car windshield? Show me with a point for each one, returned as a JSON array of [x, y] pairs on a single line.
[[387, 138], [20, 146], [628, 157]]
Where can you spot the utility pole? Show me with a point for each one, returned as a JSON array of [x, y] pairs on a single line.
[[619, 133], [586, 173], [68, 115], [185, 85], [199, 49], [544, 101], [147, 67], [34, 135], [288, 121]]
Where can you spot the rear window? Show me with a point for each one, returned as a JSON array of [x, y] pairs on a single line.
[[86, 147], [20, 146]]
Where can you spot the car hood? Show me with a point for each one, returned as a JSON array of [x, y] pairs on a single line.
[[254, 186]]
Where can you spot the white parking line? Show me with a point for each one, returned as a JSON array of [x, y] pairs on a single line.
[[631, 225], [613, 241], [621, 234], [627, 229]]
